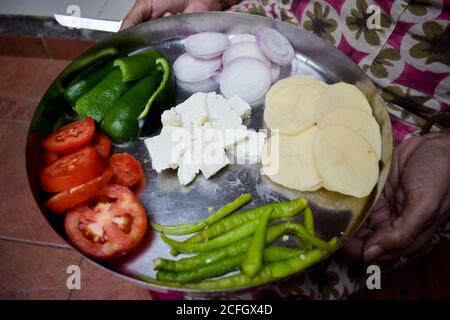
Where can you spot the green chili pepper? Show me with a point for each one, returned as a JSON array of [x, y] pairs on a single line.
[[203, 272], [224, 266], [280, 210], [270, 272], [253, 261], [87, 80], [197, 226], [273, 233], [137, 66], [308, 221], [97, 102], [121, 123], [221, 241], [277, 253]]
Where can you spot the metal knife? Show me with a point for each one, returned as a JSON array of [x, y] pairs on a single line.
[[88, 23]]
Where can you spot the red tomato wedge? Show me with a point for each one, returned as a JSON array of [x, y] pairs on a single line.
[[72, 170], [79, 194], [127, 170], [50, 156], [102, 144], [111, 228], [71, 137]]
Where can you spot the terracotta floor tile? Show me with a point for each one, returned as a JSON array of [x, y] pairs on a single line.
[[20, 216], [67, 49], [30, 271], [12, 108], [102, 285], [23, 46], [45, 79], [17, 75]]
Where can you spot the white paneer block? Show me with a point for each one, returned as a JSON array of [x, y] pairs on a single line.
[[188, 169], [249, 150], [241, 107], [213, 154], [167, 149], [193, 110], [171, 118]]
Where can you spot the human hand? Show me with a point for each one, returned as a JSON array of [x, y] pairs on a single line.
[[414, 202], [144, 10]]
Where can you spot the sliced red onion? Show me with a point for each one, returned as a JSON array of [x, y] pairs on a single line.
[[206, 45], [216, 76], [274, 72], [190, 69], [243, 37], [243, 49], [275, 46], [248, 78]]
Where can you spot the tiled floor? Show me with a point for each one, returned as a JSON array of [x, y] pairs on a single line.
[[34, 259]]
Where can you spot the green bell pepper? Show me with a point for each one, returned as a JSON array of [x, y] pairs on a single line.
[[121, 123], [97, 102], [87, 79], [138, 66]]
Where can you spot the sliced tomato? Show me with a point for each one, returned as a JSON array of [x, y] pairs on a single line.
[[72, 170], [71, 137], [139, 186], [50, 156], [102, 144], [111, 228], [127, 170], [79, 194]]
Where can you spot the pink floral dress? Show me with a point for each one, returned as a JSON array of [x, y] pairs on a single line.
[[408, 58]]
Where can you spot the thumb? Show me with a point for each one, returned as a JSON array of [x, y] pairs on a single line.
[[141, 11]]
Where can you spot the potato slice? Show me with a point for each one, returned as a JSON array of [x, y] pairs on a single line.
[[291, 109], [345, 161], [292, 163], [341, 95], [364, 124], [296, 81]]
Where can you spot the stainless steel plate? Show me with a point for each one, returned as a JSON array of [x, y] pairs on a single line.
[[168, 202]]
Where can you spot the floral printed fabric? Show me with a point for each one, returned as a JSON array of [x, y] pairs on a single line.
[[408, 58]]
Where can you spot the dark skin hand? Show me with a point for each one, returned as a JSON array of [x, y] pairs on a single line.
[[414, 204], [144, 10]]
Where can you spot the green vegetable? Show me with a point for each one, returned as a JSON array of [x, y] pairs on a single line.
[[270, 272], [121, 123], [276, 253], [280, 210], [273, 233], [308, 221], [253, 261], [203, 272], [137, 66], [221, 241], [213, 218], [87, 80], [163, 94], [97, 102], [224, 266]]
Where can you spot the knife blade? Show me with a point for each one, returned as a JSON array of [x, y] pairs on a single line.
[[88, 23]]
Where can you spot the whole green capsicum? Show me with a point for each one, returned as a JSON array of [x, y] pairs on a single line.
[[87, 79], [121, 123], [97, 102]]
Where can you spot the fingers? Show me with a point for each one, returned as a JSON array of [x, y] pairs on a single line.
[[354, 247], [423, 238], [140, 12], [415, 217]]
